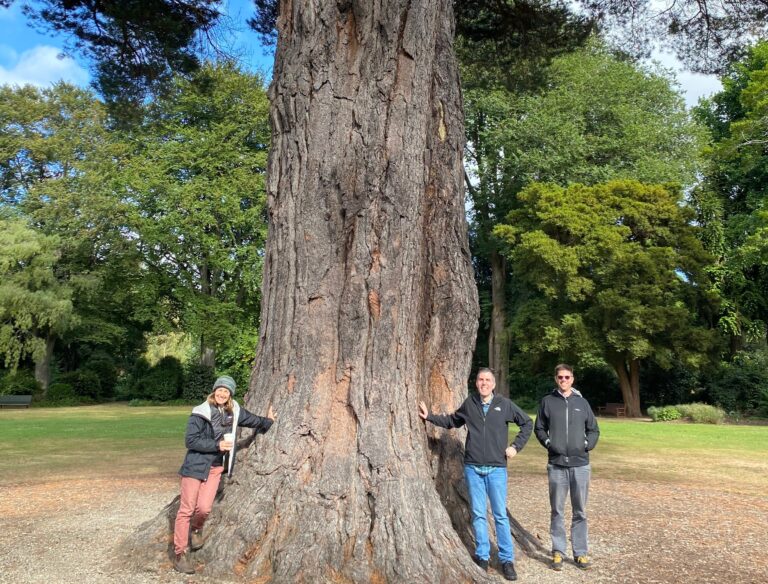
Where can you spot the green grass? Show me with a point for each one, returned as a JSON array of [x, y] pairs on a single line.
[[120, 441], [106, 440], [729, 457]]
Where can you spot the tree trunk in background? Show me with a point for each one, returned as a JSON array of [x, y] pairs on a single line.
[[369, 305], [43, 365], [499, 340], [629, 382], [207, 354], [207, 288]]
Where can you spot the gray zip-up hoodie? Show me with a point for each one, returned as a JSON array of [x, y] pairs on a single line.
[[567, 428]]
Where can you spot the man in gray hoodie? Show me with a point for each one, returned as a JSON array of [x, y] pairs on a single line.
[[567, 428]]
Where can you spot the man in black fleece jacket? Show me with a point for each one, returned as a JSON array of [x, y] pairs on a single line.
[[567, 428], [485, 462]]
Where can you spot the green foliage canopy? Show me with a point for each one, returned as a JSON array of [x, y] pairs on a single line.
[[618, 268], [34, 302], [732, 198], [58, 167], [195, 179]]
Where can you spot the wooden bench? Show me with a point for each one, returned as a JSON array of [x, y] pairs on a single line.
[[612, 409], [15, 401]]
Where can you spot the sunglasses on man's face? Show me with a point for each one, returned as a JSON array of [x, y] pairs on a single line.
[[563, 377]]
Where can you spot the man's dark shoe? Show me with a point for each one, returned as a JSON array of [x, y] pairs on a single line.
[[557, 561], [482, 563], [508, 570], [196, 540], [182, 564], [583, 562]]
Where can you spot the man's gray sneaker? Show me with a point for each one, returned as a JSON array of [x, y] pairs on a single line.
[[557, 561], [583, 562]]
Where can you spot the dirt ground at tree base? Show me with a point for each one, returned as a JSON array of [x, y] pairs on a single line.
[[67, 531]]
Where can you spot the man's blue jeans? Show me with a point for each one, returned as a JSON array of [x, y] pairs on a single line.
[[483, 486]]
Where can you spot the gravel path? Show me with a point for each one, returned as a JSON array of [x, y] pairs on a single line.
[[66, 532]]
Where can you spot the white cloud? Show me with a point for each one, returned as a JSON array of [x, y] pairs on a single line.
[[40, 66]]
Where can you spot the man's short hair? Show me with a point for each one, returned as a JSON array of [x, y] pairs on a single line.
[[563, 367], [486, 370]]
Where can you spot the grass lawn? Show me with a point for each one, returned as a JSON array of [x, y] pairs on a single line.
[[107, 440], [120, 441], [728, 457]]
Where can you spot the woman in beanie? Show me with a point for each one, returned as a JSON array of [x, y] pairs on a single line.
[[209, 455]]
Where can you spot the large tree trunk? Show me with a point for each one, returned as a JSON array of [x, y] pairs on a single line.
[[628, 371], [499, 339], [369, 306]]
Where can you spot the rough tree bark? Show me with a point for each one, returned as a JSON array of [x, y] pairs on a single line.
[[369, 305]]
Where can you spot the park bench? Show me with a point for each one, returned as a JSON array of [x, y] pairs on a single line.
[[15, 401], [612, 409]]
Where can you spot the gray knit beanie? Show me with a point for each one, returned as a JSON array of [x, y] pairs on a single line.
[[226, 382]]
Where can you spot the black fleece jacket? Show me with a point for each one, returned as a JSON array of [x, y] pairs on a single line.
[[487, 436], [202, 439], [567, 428]]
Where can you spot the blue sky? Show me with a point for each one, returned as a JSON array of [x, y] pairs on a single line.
[[29, 56]]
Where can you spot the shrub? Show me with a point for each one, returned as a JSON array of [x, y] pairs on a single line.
[[124, 387], [676, 384], [162, 382], [527, 404], [741, 385], [762, 404], [141, 403], [85, 383], [664, 413], [702, 413], [104, 367], [20, 382], [198, 382], [60, 392]]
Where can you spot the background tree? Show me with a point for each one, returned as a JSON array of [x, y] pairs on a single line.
[[136, 45], [732, 198], [196, 181], [598, 116], [620, 271], [58, 168], [503, 51], [35, 305]]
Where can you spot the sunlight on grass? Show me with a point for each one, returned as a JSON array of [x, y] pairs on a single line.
[[107, 440], [120, 441], [730, 458]]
